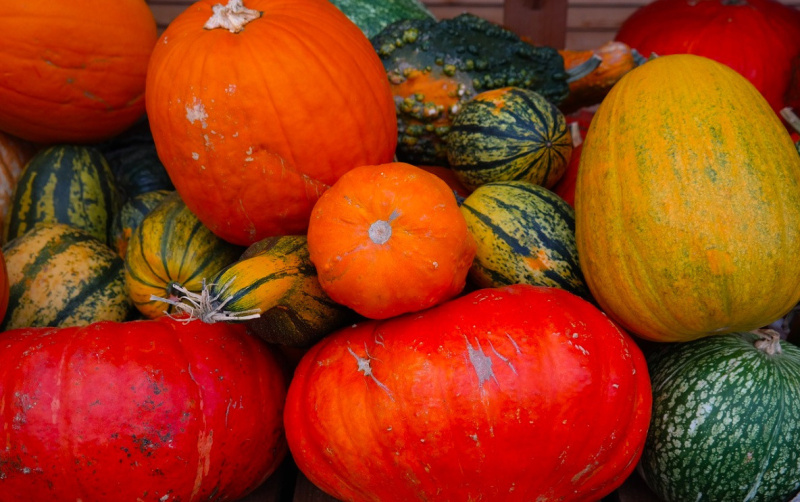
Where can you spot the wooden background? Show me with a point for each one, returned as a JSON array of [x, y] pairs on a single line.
[[589, 23]]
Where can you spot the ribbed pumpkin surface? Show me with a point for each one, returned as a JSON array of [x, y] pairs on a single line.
[[509, 134], [276, 277], [688, 203], [525, 234], [68, 184], [62, 276], [726, 421], [172, 247]]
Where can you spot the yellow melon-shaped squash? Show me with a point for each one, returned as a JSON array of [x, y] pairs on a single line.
[[687, 203]]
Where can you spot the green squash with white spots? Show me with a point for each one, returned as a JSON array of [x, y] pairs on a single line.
[[374, 15], [525, 235], [726, 419]]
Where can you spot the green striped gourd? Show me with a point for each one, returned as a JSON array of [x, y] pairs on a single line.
[[130, 215], [169, 253], [60, 275], [374, 15], [509, 134], [68, 184], [274, 287], [525, 234], [726, 419]]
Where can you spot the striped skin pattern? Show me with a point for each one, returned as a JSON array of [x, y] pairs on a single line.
[[509, 134], [171, 246], [725, 423], [61, 276], [130, 215], [68, 184], [525, 234], [276, 276]]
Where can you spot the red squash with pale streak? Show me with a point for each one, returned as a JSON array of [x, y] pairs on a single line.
[[138, 411], [73, 70], [757, 38], [254, 125], [503, 394]]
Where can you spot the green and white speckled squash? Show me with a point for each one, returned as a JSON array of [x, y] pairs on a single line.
[[374, 15], [525, 234], [509, 133], [726, 420]]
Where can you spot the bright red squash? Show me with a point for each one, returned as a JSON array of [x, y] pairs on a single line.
[[146, 410], [253, 125], [757, 38], [73, 70], [517, 394]]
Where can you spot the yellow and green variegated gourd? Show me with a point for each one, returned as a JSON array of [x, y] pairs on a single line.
[[687, 203]]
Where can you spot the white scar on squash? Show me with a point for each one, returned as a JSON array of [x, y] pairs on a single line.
[[197, 112], [480, 362], [365, 368]]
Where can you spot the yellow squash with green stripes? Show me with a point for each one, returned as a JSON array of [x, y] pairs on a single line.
[[70, 184], [62, 276], [171, 252], [276, 281], [506, 134], [687, 203], [525, 234]]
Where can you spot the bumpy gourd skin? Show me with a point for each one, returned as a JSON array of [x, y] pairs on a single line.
[[434, 67]]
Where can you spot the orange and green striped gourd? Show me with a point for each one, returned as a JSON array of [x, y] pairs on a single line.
[[687, 203], [169, 251]]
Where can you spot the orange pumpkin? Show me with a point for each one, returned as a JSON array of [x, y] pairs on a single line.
[[257, 109], [389, 239], [14, 154], [73, 70]]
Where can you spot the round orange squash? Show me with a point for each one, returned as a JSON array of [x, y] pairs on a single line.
[[389, 239], [257, 109], [73, 70], [687, 203]]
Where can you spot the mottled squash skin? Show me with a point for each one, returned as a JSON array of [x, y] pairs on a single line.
[[688, 203]]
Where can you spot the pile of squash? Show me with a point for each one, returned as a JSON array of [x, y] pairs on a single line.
[[427, 259]]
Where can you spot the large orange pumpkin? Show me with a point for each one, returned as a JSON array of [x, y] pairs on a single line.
[[73, 70], [257, 109], [390, 239], [687, 203]]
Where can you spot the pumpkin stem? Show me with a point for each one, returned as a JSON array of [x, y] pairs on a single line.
[[577, 72], [769, 341], [791, 118], [204, 306], [232, 17]]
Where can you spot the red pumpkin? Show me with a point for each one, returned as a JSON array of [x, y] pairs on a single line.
[[517, 394], [390, 239], [757, 38], [253, 125], [145, 410], [73, 70]]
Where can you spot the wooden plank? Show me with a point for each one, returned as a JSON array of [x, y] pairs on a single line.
[[598, 18], [544, 22], [305, 491], [493, 14]]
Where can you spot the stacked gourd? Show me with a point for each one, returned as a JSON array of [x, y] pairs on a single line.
[[393, 208]]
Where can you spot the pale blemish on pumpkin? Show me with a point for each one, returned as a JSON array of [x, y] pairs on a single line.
[[204, 443], [195, 155], [481, 362], [365, 367], [230, 89], [197, 112], [514, 343]]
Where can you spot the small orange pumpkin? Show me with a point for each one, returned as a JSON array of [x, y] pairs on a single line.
[[73, 70], [257, 109], [389, 239]]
